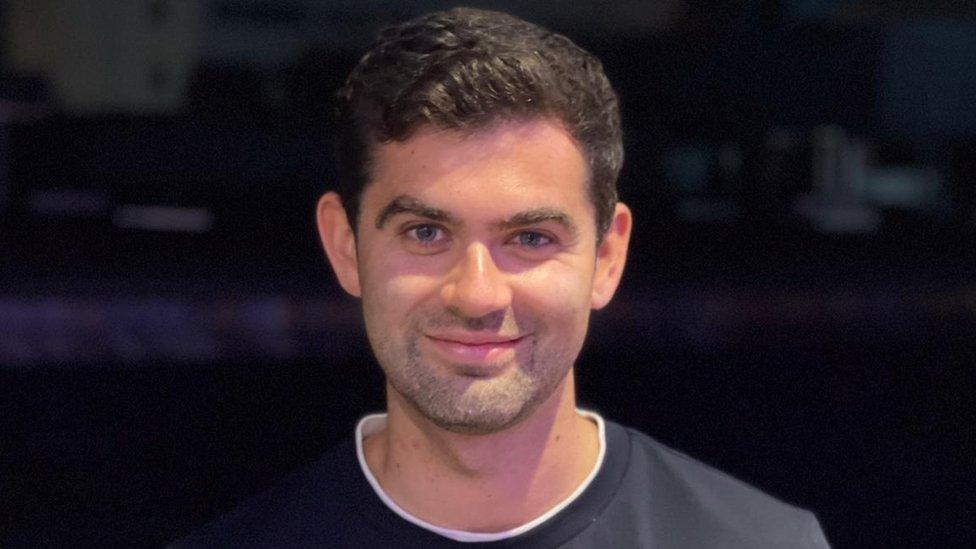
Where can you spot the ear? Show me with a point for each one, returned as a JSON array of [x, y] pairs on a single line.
[[339, 241], [611, 256]]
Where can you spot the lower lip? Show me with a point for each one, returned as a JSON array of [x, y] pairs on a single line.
[[483, 353]]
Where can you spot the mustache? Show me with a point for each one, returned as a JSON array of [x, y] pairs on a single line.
[[498, 321]]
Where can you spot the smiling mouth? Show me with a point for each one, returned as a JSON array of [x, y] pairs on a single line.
[[476, 350], [475, 340]]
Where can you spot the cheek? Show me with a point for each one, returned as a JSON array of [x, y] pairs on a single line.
[[390, 292], [561, 291]]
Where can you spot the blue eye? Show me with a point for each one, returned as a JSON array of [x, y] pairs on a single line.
[[532, 239], [425, 233], [424, 238]]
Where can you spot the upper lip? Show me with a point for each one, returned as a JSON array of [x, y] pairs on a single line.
[[470, 338]]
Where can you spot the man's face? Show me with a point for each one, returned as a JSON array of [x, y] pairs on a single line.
[[475, 259]]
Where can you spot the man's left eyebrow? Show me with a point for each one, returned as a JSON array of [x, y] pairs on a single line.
[[540, 215]]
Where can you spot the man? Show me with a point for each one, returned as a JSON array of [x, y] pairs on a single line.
[[477, 219]]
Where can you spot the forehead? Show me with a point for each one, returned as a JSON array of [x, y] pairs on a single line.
[[514, 163]]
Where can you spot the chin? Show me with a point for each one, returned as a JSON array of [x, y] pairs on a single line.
[[481, 425], [466, 414]]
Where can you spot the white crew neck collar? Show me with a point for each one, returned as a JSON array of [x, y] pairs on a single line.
[[374, 423]]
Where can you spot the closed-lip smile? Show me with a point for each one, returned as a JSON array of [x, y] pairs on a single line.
[[475, 339], [472, 348]]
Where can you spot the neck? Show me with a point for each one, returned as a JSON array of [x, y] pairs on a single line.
[[457, 480]]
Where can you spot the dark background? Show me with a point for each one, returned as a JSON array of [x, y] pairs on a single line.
[[797, 310]]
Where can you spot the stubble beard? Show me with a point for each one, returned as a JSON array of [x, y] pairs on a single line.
[[470, 405]]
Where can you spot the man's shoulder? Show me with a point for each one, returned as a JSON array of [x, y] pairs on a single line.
[[305, 505], [688, 473], [692, 500]]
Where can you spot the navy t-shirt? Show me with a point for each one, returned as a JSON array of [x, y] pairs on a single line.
[[644, 495]]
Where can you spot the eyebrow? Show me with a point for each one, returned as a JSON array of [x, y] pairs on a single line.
[[541, 215], [408, 204], [412, 205]]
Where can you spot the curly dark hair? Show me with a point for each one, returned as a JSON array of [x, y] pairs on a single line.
[[463, 69]]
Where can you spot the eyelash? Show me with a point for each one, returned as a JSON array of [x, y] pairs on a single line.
[[410, 233], [549, 239]]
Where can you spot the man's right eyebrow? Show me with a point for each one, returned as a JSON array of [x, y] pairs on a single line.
[[411, 205]]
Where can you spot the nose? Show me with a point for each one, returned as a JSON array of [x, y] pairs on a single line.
[[476, 286]]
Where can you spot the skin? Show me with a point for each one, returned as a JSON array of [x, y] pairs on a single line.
[[477, 261]]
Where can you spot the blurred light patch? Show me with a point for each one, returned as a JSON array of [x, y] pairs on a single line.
[[836, 217], [133, 330], [68, 202], [909, 188], [687, 168], [163, 218]]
